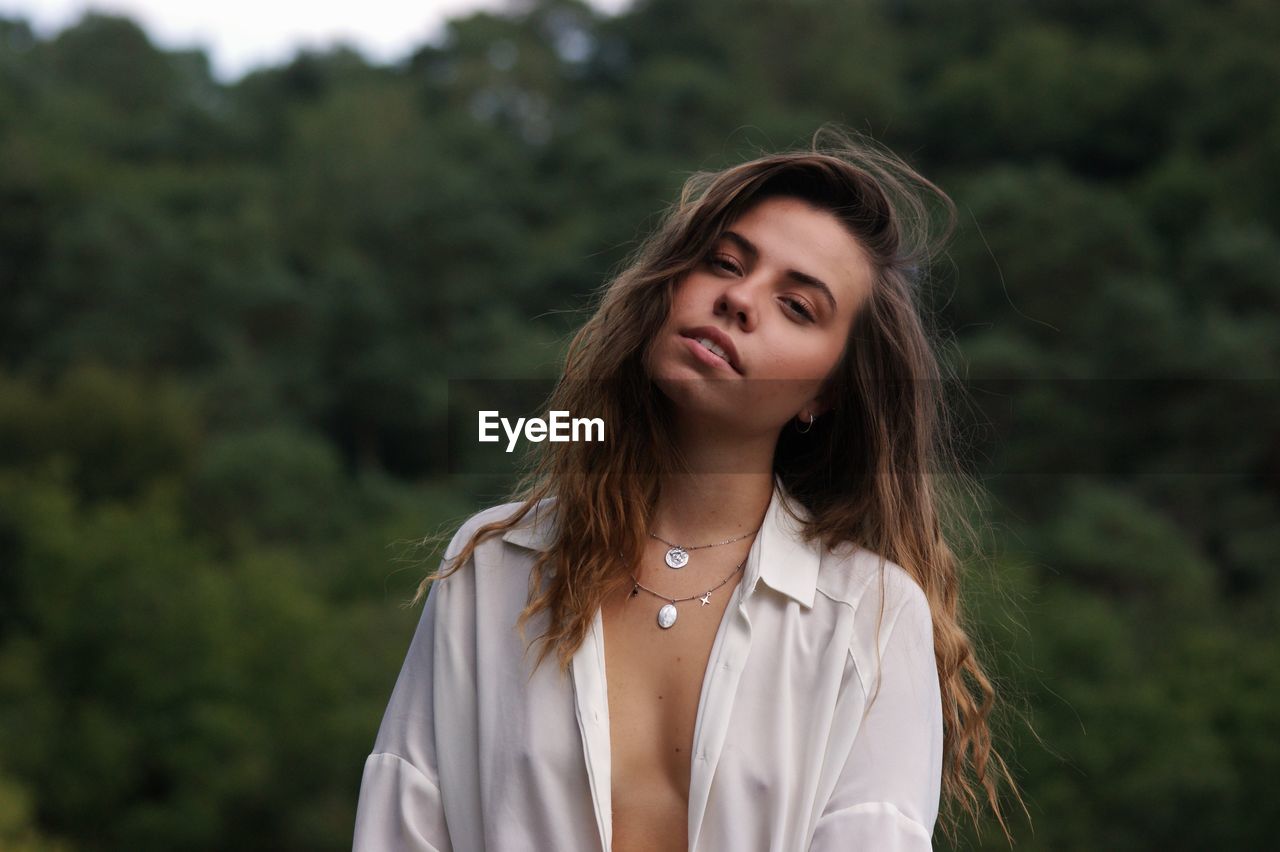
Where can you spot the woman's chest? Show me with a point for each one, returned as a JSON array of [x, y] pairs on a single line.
[[654, 678]]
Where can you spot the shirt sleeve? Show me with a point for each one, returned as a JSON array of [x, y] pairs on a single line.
[[886, 797], [400, 807]]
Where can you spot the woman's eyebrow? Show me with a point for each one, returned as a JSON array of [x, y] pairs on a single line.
[[801, 278]]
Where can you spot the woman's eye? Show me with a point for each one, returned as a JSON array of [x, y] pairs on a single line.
[[724, 263], [800, 308]]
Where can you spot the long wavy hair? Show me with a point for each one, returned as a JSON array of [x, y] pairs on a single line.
[[879, 470]]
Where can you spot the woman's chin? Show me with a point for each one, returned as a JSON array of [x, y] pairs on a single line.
[[712, 416], [697, 395]]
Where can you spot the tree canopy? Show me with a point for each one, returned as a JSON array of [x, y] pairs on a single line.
[[229, 314]]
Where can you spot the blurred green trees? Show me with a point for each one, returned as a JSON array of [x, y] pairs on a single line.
[[228, 314]]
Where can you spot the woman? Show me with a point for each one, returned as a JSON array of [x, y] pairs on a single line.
[[755, 624]]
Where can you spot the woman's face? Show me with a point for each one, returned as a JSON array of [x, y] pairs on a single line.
[[777, 293]]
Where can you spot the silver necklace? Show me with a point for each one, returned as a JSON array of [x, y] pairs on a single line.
[[667, 614], [678, 555]]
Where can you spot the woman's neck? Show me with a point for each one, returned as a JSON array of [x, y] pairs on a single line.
[[725, 493]]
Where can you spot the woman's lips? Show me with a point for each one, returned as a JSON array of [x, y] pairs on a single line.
[[706, 356]]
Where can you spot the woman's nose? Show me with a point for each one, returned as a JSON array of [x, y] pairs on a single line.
[[738, 301]]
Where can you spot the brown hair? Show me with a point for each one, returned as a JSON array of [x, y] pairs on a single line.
[[864, 473]]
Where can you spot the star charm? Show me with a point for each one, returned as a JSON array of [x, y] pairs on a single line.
[[706, 599]]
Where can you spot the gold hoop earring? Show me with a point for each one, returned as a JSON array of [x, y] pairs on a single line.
[[805, 431]]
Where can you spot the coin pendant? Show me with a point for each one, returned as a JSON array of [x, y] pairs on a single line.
[[677, 557], [667, 616]]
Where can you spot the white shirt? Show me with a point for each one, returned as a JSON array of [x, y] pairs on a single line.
[[474, 755]]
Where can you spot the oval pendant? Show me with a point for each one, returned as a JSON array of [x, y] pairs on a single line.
[[667, 616], [677, 557]]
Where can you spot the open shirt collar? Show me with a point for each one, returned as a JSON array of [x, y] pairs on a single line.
[[779, 555]]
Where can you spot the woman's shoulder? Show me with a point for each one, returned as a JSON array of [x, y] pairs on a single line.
[[861, 579], [884, 599], [494, 573], [533, 524]]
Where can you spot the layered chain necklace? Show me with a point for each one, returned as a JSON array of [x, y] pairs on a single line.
[[678, 557]]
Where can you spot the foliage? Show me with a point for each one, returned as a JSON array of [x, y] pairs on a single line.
[[228, 314]]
